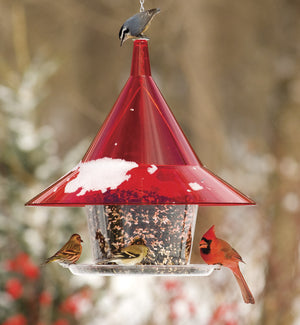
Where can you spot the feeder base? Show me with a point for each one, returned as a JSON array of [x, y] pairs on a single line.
[[154, 270]]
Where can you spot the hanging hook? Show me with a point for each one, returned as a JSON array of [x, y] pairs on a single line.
[[142, 5]]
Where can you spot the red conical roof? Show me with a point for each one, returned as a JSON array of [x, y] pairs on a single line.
[[140, 156]]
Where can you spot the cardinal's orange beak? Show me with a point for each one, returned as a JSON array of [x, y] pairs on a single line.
[[203, 244]]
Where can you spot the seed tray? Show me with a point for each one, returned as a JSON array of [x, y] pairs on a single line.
[[154, 270]]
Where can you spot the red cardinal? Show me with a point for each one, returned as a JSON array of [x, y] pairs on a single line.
[[217, 251]]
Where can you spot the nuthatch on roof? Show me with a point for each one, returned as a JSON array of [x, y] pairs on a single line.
[[136, 25]]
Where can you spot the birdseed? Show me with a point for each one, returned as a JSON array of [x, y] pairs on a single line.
[[165, 229]]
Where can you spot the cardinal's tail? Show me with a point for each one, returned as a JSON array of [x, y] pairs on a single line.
[[246, 293]]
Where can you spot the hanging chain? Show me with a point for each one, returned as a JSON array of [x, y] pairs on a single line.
[[142, 5]]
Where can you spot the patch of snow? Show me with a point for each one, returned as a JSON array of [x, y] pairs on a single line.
[[195, 186], [152, 169], [100, 175]]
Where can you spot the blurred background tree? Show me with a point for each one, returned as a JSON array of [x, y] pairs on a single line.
[[230, 71]]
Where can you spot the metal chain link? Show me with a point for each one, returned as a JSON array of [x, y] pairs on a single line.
[[142, 5]]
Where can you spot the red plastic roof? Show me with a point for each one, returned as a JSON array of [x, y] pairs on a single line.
[[140, 156]]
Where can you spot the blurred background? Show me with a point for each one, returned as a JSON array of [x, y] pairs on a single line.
[[230, 72]]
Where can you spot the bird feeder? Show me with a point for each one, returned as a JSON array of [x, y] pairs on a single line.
[[141, 178]]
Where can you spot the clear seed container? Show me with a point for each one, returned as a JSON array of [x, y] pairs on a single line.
[[166, 230]]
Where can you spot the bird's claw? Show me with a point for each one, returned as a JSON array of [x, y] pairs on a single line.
[[218, 266]]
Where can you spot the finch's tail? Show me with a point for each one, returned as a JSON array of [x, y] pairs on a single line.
[[49, 260], [246, 293]]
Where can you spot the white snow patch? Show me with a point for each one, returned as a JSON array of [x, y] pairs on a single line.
[[152, 169], [195, 186], [100, 175]]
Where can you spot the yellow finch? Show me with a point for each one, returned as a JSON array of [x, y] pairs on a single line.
[[69, 253], [130, 255]]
